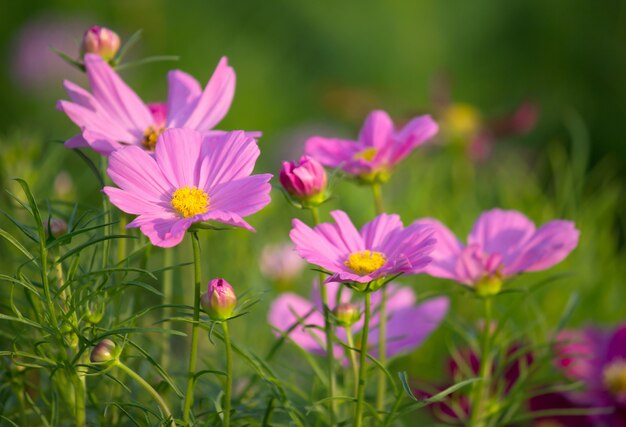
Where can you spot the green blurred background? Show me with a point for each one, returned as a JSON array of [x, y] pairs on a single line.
[[306, 67]]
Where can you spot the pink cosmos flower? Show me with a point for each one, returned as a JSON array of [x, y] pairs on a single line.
[[408, 324], [280, 262], [191, 178], [501, 244], [113, 116], [382, 248], [379, 147]]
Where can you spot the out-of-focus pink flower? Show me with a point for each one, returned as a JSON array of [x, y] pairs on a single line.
[[113, 116], [501, 244], [191, 178], [383, 247], [408, 324], [379, 148], [220, 300], [281, 263], [305, 180], [100, 41]]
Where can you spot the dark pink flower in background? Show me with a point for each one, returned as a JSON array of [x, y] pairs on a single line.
[[501, 244], [112, 116], [378, 150], [191, 178], [408, 323], [383, 247]]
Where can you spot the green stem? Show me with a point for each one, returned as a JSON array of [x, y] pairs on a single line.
[[79, 399], [352, 355], [229, 375], [378, 198], [328, 331], [168, 298], [193, 353], [44, 280], [121, 243], [358, 414], [134, 375], [481, 390], [106, 213]]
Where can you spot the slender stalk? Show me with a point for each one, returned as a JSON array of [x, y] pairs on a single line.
[[106, 218], [79, 399], [229, 375], [358, 413], [44, 280], [328, 331], [168, 298], [134, 375], [193, 353], [382, 325], [355, 369], [121, 243], [481, 389]]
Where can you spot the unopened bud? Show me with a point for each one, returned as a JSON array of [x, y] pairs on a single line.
[[103, 352], [347, 314], [58, 227], [304, 180], [101, 41], [220, 300]]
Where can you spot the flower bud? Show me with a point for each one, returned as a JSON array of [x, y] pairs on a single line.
[[103, 352], [101, 41], [346, 314], [305, 180], [220, 300], [58, 227]]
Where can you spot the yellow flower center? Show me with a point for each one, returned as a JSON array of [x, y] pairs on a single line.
[[368, 154], [150, 137], [190, 201], [365, 262], [614, 376]]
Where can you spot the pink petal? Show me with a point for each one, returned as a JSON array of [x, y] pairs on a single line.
[[346, 233], [116, 98], [377, 130], [80, 96], [135, 171], [375, 232], [183, 92], [415, 133], [225, 217], [447, 250], [230, 156], [215, 101], [244, 196], [132, 203], [331, 152], [548, 246], [502, 232], [100, 143], [178, 156], [315, 248], [91, 120], [165, 230], [77, 141]]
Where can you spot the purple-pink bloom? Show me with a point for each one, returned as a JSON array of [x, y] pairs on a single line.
[[303, 179], [113, 116], [191, 178], [379, 148], [501, 244], [280, 262], [383, 247], [408, 324], [220, 300]]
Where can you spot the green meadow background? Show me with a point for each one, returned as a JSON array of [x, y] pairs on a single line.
[[307, 67]]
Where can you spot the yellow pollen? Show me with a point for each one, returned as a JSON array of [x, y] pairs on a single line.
[[190, 201], [150, 137], [614, 376], [365, 262], [368, 154]]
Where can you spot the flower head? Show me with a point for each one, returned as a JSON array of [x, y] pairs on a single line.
[[113, 116], [501, 244], [280, 262], [408, 324], [305, 180], [191, 178], [382, 248], [100, 41], [220, 300], [379, 148]]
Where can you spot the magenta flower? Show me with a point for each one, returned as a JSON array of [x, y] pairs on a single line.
[[191, 178], [305, 179], [408, 324], [220, 300], [501, 244], [113, 116], [382, 248], [379, 147]]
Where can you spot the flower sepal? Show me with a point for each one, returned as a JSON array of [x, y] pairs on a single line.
[[377, 177], [489, 286]]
